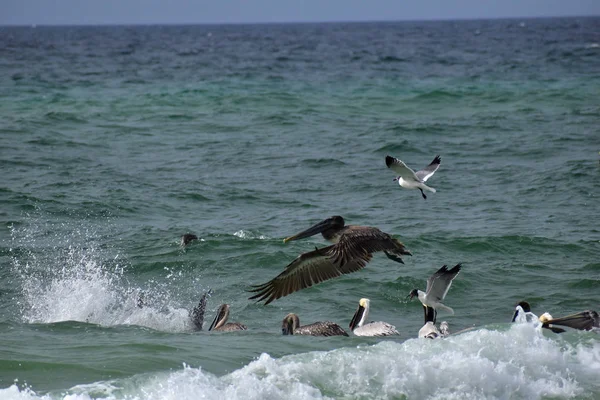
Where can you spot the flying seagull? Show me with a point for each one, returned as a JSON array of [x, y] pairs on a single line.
[[291, 326], [379, 328], [437, 287], [409, 179], [353, 249]]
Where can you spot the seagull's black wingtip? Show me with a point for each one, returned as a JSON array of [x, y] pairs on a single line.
[[389, 160]]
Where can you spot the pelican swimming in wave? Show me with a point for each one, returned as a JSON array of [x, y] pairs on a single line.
[[438, 285], [409, 179], [379, 328], [219, 323], [585, 320], [291, 326], [353, 249]]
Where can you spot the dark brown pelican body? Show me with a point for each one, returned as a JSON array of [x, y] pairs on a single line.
[[291, 326], [584, 321], [353, 249], [219, 323]]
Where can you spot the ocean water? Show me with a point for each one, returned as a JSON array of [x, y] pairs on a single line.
[[116, 140]]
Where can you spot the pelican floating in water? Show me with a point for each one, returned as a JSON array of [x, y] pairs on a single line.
[[291, 326], [379, 328], [584, 320], [438, 285], [197, 313], [219, 323], [353, 249], [409, 179], [187, 238]]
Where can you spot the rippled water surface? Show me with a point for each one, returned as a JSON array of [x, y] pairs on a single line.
[[114, 141]]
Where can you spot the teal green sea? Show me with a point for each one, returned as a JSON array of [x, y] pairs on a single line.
[[116, 140]]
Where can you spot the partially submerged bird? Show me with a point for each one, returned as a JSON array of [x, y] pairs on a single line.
[[430, 331], [197, 313], [379, 328], [409, 179], [353, 249], [219, 323], [584, 320], [438, 285], [291, 326], [187, 238]]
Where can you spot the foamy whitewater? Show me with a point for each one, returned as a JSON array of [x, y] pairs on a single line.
[[515, 363]]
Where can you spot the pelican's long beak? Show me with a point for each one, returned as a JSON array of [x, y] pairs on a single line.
[[583, 320], [313, 230], [220, 315], [357, 316], [286, 327]]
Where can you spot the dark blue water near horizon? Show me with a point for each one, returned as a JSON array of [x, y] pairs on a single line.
[[116, 140]]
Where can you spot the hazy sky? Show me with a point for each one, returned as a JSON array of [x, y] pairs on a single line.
[[200, 11]]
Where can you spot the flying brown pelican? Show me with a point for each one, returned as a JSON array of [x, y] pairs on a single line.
[[379, 328], [409, 179], [291, 326], [353, 249], [437, 287], [219, 324]]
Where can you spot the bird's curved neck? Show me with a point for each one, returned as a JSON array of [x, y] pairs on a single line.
[[295, 322], [364, 316], [223, 316]]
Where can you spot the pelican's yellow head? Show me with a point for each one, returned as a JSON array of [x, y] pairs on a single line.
[[364, 303], [545, 317]]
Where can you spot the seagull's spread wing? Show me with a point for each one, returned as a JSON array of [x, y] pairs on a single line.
[[429, 170], [439, 283], [400, 168]]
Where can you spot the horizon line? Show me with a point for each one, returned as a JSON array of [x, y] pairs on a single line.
[[107, 24]]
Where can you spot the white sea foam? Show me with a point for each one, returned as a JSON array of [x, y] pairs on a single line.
[[520, 363], [242, 234], [71, 283]]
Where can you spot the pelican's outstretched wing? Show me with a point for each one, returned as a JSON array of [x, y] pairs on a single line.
[[353, 251], [306, 270]]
